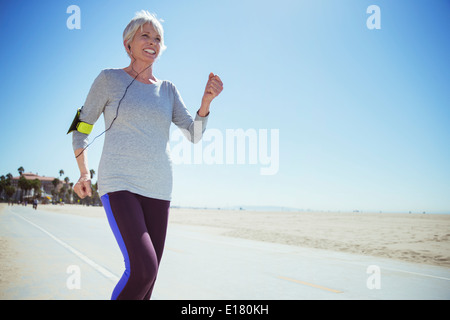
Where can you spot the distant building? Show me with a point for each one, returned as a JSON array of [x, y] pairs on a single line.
[[46, 185]]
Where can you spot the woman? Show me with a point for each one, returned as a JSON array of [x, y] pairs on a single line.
[[134, 175]]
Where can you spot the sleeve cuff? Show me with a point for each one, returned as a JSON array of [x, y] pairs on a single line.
[[198, 117]]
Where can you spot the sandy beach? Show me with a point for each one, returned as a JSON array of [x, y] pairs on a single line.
[[419, 238]]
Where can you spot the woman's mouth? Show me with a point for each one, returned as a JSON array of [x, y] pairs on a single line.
[[150, 51]]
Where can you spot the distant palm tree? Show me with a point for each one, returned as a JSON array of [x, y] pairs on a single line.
[[92, 171], [36, 185], [21, 170], [2, 184], [71, 192], [66, 180], [9, 190], [61, 172], [55, 183], [24, 185]]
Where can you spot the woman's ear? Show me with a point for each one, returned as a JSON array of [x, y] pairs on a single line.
[[127, 47]]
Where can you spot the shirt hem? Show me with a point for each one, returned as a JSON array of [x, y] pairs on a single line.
[[139, 192]]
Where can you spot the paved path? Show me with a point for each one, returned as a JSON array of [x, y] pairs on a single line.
[[64, 256]]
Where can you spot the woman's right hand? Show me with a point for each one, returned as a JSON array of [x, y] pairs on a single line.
[[83, 187]]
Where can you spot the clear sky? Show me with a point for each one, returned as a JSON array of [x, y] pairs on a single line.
[[363, 115]]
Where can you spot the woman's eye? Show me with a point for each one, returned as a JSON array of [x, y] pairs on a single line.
[[147, 36]]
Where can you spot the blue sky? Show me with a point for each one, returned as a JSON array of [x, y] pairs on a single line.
[[363, 115]]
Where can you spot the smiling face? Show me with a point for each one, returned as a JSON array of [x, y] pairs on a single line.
[[145, 45]]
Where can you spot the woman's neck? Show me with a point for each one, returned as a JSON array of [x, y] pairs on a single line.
[[142, 72]]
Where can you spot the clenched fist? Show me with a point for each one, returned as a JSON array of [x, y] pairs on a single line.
[[213, 88], [83, 187]]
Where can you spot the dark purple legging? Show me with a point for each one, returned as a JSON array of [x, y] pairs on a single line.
[[139, 225]]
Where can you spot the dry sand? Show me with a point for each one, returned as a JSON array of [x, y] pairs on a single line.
[[419, 238]]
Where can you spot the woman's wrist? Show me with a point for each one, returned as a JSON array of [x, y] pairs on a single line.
[[82, 162], [85, 176], [202, 113], [204, 109]]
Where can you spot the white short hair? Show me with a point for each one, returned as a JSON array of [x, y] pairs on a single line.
[[142, 17]]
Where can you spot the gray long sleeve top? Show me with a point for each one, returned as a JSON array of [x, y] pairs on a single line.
[[136, 152]]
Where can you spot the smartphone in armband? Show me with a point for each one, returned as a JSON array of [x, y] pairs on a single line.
[[80, 126]]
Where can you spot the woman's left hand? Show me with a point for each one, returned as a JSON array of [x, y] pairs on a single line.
[[213, 88]]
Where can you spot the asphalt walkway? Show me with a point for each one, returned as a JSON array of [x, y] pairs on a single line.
[[63, 256]]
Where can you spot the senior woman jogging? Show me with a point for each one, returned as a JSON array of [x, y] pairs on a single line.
[[134, 174]]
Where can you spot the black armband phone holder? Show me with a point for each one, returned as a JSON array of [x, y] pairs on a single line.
[[80, 126]]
